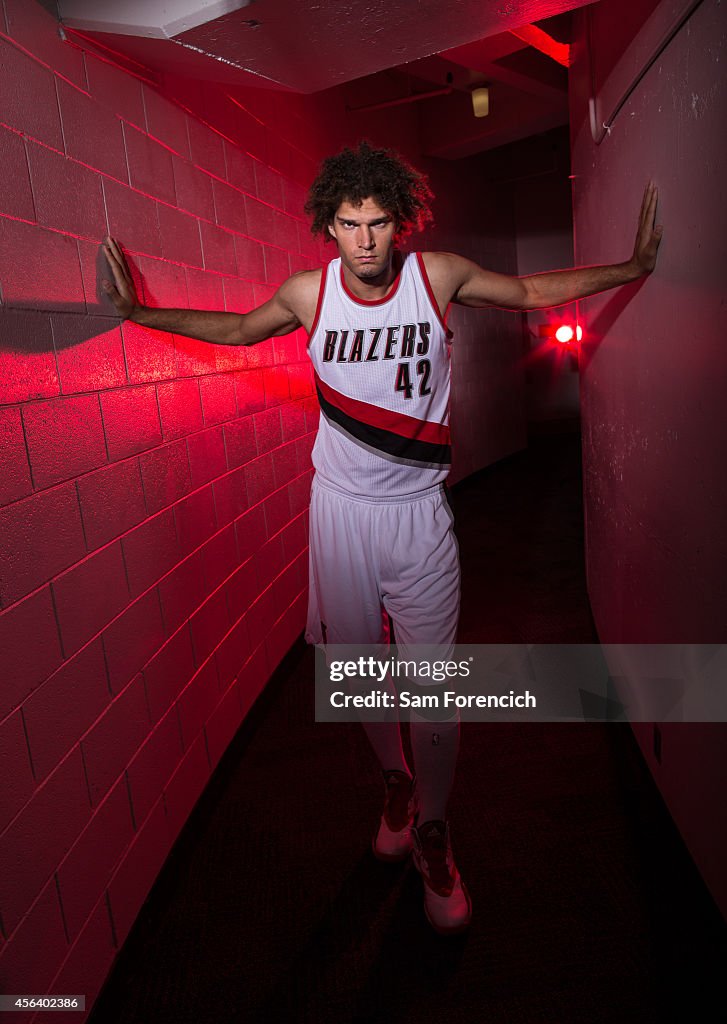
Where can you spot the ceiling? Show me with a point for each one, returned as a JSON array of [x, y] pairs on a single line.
[[386, 49]]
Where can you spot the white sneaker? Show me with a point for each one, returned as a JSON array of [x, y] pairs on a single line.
[[447, 903], [393, 841]]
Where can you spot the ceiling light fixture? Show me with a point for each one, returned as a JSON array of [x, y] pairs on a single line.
[[481, 101]]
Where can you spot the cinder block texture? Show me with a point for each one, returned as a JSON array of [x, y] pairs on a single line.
[[16, 197], [15, 481], [147, 497]]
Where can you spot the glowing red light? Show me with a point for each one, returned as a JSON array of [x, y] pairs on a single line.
[[564, 333]]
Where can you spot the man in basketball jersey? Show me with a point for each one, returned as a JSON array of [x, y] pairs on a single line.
[[381, 538]]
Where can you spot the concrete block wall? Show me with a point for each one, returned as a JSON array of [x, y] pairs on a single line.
[[653, 373], [153, 498]]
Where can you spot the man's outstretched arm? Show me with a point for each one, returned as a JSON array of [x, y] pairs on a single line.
[[479, 287], [272, 318]]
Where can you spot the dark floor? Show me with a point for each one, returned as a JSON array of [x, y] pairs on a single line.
[[587, 907]]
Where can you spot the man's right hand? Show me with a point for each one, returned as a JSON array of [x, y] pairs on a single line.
[[122, 290], [275, 317]]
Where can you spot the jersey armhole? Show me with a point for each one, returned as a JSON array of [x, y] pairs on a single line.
[[319, 304], [432, 299]]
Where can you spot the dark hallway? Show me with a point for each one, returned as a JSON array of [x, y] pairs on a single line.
[[587, 904]]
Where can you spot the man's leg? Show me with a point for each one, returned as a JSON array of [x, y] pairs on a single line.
[[344, 607], [422, 594], [435, 746]]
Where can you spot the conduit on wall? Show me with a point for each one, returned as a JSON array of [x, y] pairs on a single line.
[[645, 48]]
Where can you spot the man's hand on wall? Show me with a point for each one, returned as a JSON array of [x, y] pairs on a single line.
[[648, 236], [122, 290]]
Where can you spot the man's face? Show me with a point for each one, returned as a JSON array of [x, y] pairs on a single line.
[[365, 237]]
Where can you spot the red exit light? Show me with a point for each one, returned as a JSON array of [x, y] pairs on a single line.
[[563, 333]]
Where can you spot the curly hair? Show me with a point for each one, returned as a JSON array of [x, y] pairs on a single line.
[[357, 174]]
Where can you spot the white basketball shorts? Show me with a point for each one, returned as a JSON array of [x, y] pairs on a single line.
[[371, 555]]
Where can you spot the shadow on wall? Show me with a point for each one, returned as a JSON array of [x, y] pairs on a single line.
[[619, 300], [25, 329], [43, 334], [78, 321]]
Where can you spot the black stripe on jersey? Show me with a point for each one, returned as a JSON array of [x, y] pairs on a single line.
[[386, 442]]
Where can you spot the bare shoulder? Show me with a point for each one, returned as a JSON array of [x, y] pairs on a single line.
[[299, 293], [446, 272], [449, 268], [301, 288]]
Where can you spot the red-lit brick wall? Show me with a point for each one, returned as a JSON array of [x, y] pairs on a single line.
[[154, 489], [153, 493]]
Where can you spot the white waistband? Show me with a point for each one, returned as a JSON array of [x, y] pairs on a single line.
[[371, 499]]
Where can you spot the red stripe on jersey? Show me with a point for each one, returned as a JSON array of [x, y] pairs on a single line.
[[430, 293], [385, 419], [371, 302], [319, 304]]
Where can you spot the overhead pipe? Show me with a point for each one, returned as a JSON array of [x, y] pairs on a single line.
[[411, 98]]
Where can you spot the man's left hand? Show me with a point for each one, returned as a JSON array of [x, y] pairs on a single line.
[[648, 235]]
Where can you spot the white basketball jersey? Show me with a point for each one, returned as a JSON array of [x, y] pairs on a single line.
[[382, 376]]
